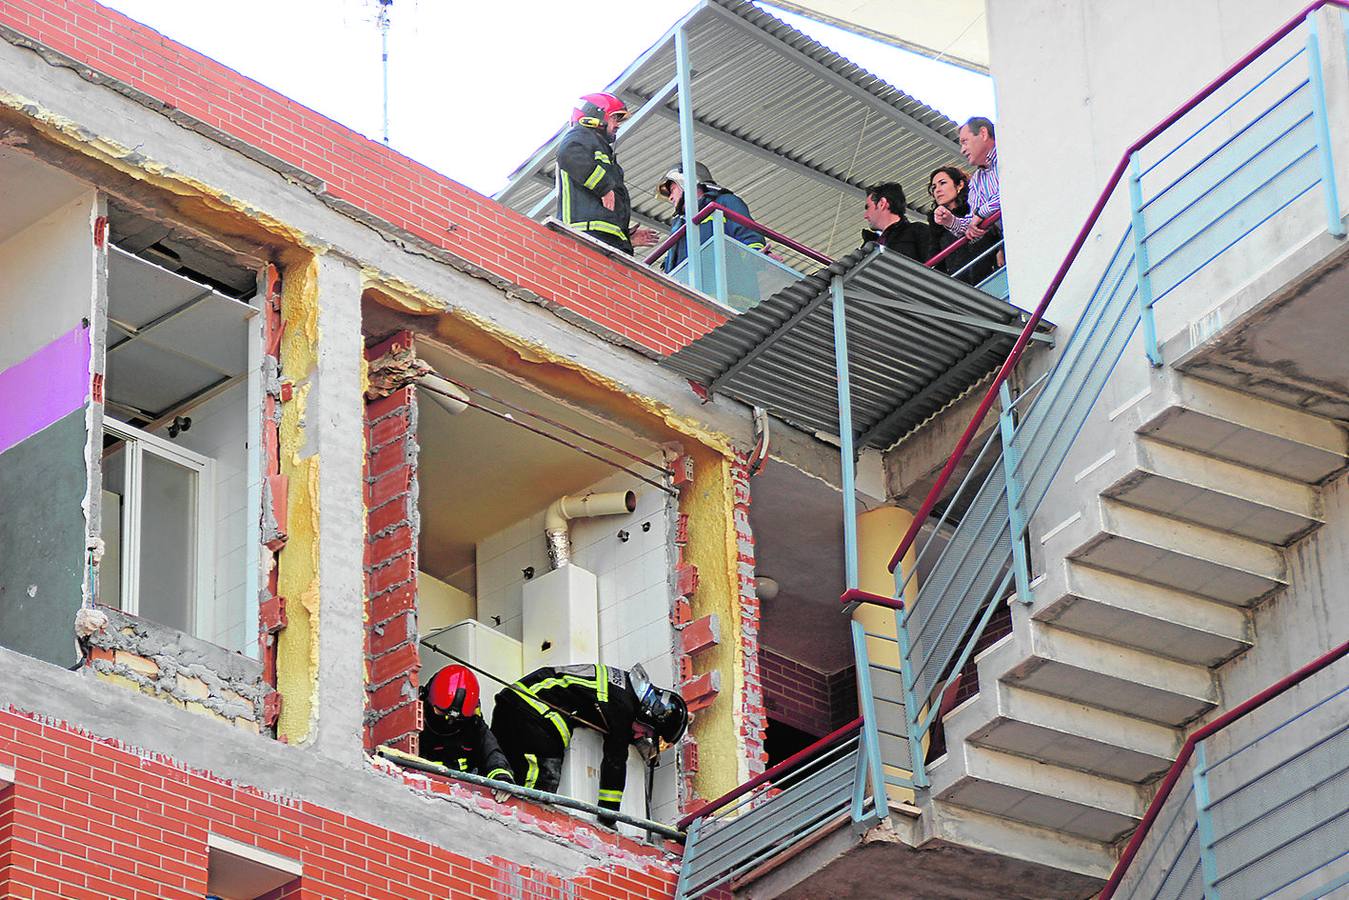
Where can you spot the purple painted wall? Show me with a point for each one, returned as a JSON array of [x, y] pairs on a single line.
[[43, 388]]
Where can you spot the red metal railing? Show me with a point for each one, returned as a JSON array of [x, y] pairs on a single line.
[[734, 216], [1023, 339], [1173, 774], [815, 749]]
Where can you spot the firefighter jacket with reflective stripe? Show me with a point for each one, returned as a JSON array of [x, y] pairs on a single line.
[[467, 745], [589, 696], [587, 169], [734, 230]]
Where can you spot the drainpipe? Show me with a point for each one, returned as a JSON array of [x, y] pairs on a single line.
[[580, 506], [444, 394]]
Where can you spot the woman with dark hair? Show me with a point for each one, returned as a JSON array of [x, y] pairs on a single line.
[[949, 187]]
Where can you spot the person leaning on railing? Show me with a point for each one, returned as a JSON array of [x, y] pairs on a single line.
[[979, 145], [742, 283], [949, 188], [884, 213]]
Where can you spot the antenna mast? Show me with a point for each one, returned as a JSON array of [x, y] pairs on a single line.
[[383, 22]]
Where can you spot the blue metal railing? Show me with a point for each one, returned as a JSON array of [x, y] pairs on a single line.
[[1264, 807], [1207, 190]]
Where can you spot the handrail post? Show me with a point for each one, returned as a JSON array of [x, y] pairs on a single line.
[[859, 782], [1017, 520], [847, 466], [691, 236], [1141, 263], [1204, 822], [912, 722], [719, 256], [1335, 223]]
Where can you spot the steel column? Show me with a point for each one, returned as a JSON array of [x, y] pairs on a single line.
[[1335, 224], [1010, 458], [917, 766], [1204, 822], [1141, 263], [684, 76], [719, 256]]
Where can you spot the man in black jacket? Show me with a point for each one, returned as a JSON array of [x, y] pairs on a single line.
[[884, 212], [454, 733], [535, 716], [591, 195]]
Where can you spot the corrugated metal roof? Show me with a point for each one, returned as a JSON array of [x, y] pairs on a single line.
[[917, 340], [792, 127]]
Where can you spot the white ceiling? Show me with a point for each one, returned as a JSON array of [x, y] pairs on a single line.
[[478, 474], [30, 190]]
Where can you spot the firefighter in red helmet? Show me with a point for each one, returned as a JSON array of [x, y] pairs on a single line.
[[591, 195], [454, 733]]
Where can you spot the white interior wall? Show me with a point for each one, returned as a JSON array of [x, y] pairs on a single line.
[[46, 279], [219, 430], [634, 610]]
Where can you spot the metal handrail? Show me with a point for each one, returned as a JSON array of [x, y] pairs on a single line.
[[713, 206], [815, 749], [1187, 750], [1014, 356], [961, 242]]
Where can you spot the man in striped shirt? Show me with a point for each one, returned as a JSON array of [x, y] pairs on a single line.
[[979, 146]]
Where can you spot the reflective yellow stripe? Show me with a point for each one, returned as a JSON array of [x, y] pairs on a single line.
[[532, 773], [601, 683], [605, 227], [755, 246], [603, 157], [611, 796], [500, 775], [594, 178], [527, 694], [564, 188], [463, 764]]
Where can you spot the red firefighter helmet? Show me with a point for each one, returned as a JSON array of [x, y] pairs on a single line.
[[452, 693], [596, 108]]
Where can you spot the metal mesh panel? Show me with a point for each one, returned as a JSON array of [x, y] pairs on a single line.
[[887, 690], [727, 847], [1168, 862]]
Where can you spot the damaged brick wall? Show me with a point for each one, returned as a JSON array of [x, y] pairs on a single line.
[[92, 818], [393, 714], [753, 717], [175, 667]]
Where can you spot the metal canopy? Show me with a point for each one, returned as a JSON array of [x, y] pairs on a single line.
[[917, 340], [792, 127]]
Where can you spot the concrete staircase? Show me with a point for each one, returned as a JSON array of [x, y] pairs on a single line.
[[1164, 544]]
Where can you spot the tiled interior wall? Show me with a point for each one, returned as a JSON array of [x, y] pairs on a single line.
[[634, 603], [219, 430]]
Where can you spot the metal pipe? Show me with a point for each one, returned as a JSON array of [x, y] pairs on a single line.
[[416, 762], [1173, 774], [580, 506], [692, 239], [1014, 356], [961, 242], [790, 243], [773, 772]]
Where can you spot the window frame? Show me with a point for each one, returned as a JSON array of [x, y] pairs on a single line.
[[137, 443]]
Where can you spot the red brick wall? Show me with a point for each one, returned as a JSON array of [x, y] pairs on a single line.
[[803, 698], [753, 718], [92, 820], [368, 175], [393, 714]]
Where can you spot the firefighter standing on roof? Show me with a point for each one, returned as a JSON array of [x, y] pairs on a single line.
[[591, 195], [534, 719]]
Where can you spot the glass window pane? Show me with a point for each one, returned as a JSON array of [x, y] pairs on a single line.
[[114, 490], [167, 591]]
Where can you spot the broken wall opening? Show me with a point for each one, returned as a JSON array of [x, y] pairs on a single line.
[[460, 567]]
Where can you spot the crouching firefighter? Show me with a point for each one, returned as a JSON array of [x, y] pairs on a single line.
[[535, 716], [454, 733]]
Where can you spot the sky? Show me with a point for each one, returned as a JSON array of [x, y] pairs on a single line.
[[476, 87]]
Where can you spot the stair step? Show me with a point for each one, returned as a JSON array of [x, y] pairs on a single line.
[[1218, 494], [1114, 677], [1073, 735], [1044, 795], [1182, 555], [1175, 624], [1241, 428]]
